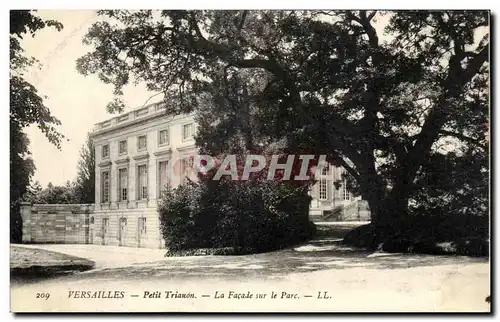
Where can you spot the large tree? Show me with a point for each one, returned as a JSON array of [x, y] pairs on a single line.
[[381, 102], [85, 181], [26, 108]]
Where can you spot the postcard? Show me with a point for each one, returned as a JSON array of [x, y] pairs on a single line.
[[270, 161]]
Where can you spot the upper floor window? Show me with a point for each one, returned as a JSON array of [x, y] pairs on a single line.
[[187, 131], [123, 184], [105, 186], [323, 189], [326, 169], [143, 181], [163, 176], [142, 143], [105, 151], [122, 147], [163, 137]]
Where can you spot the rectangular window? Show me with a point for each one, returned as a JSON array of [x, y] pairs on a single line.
[[163, 137], [162, 173], [322, 189], [143, 181], [105, 151], [347, 195], [122, 147], [326, 169], [105, 186], [123, 184], [184, 170], [142, 226], [141, 143], [187, 131], [105, 225]]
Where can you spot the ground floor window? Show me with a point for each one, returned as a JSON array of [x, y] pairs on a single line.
[[105, 186], [142, 226], [105, 225]]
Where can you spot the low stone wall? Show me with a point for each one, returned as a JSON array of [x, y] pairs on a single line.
[[56, 223]]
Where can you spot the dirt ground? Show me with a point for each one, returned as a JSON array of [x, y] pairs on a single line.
[[354, 281]]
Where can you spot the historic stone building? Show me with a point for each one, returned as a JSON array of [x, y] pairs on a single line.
[[132, 151], [132, 154], [332, 201]]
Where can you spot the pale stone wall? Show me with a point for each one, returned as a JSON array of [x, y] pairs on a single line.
[[46, 223], [123, 228]]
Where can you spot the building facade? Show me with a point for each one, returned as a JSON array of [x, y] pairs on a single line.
[[132, 152]]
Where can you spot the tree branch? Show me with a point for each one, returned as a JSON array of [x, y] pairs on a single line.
[[464, 138]]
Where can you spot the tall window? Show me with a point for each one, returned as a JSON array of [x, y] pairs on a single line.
[[122, 147], [105, 186], [347, 195], [142, 226], [105, 151], [323, 189], [143, 181], [105, 225], [184, 170], [163, 178], [187, 131], [163, 137], [123, 184], [142, 143]]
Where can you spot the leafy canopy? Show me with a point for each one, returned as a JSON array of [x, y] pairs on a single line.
[[382, 101]]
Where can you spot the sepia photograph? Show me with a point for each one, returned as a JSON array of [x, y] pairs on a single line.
[[250, 161]]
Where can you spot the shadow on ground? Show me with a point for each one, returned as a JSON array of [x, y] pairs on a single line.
[[322, 253]]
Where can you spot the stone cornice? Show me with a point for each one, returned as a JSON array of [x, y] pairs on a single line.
[[141, 156], [143, 119], [186, 147], [105, 163], [122, 160], [163, 152]]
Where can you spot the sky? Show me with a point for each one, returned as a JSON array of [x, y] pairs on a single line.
[[77, 101]]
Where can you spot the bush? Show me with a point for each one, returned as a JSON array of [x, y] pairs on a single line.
[[256, 216]]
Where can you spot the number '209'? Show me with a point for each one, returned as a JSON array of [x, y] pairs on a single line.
[[43, 296]]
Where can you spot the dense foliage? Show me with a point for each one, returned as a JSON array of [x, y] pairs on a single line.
[[26, 108], [66, 194], [242, 216], [380, 100], [399, 99]]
